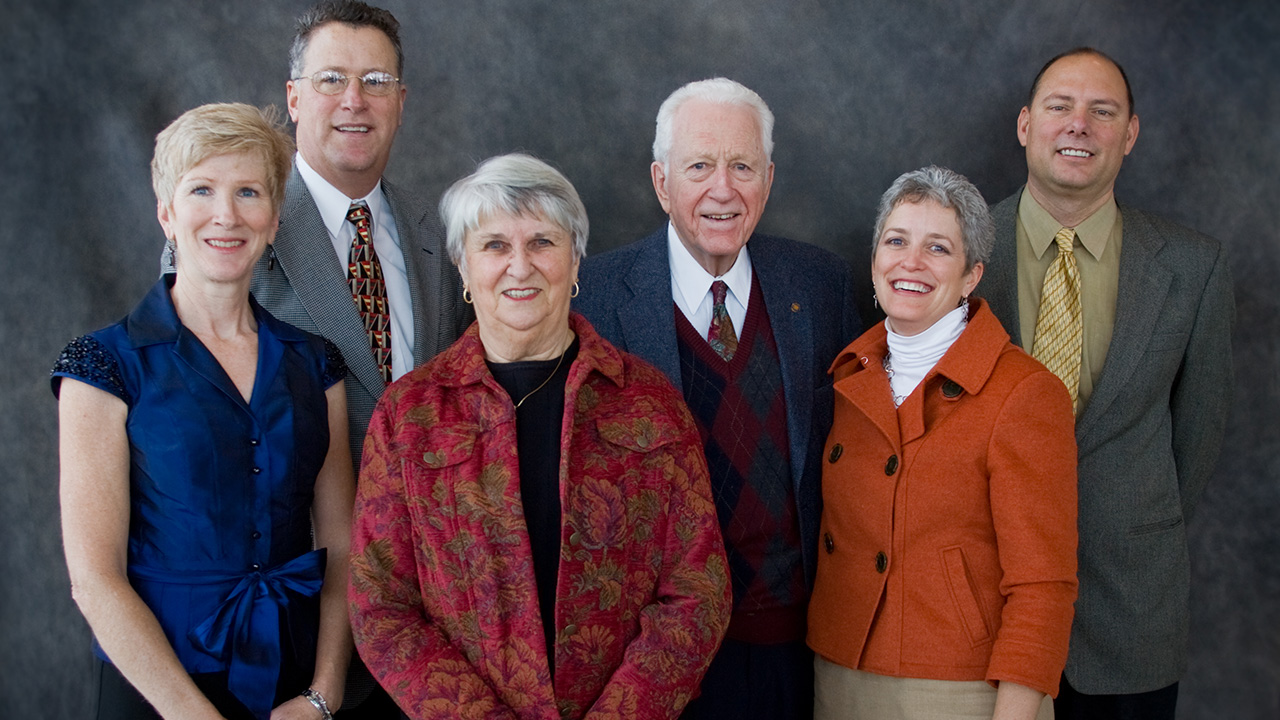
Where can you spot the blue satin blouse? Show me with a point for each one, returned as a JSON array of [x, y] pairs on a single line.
[[220, 490]]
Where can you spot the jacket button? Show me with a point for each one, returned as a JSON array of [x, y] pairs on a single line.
[[255, 567], [253, 442], [829, 543], [882, 561], [891, 465], [836, 451], [257, 471], [951, 388], [256, 535]]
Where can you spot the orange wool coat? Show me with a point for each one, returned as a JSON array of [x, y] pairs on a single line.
[[949, 525]]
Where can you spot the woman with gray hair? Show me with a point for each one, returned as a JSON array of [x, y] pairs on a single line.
[[535, 535], [948, 571]]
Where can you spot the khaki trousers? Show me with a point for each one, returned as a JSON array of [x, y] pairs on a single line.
[[844, 694]]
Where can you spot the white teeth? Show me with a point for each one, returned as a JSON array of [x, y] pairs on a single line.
[[721, 217], [226, 243], [1075, 153], [520, 294], [351, 128], [912, 286]]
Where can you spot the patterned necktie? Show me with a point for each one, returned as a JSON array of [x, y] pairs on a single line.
[[721, 335], [1060, 325], [368, 290]]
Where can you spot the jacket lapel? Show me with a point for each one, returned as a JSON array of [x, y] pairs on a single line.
[[306, 256], [864, 386], [413, 219], [648, 320], [1144, 283]]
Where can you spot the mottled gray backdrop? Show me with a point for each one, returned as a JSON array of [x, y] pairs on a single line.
[[862, 91]]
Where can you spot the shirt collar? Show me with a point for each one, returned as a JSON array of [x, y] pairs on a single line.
[[1094, 232], [693, 282], [155, 319], [333, 204]]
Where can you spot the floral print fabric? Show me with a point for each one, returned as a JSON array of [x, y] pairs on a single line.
[[443, 601]]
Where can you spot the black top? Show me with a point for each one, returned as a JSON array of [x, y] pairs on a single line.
[[538, 422]]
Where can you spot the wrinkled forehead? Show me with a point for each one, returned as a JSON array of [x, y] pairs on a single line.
[[721, 129]]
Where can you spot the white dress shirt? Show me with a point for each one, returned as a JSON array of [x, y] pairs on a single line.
[[691, 286], [333, 206]]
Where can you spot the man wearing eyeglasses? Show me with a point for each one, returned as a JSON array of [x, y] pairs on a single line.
[[346, 97]]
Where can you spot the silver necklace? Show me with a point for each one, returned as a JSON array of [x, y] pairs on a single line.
[[888, 371]]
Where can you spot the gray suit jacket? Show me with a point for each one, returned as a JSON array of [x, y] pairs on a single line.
[[307, 287], [808, 293], [1148, 440]]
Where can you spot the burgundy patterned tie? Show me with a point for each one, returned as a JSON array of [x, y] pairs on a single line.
[[368, 290], [721, 335]]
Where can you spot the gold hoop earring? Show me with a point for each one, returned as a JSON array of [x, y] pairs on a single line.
[[466, 295], [576, 289]]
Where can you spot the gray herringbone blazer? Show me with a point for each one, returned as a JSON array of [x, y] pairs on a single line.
[[1148, 441], [307, 287]]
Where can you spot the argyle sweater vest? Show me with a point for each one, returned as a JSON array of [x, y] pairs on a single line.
[[741, 415]]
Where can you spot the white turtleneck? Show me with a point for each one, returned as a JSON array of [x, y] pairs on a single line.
[[912, 357]]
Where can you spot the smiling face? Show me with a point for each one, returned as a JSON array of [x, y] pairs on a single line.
[[520, 271], [918, 266], [1077, 131], [346, 137], [221, 219], [716, 181]]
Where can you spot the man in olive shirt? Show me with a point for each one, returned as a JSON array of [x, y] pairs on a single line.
[[1149, 359]]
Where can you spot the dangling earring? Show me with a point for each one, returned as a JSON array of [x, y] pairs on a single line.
[[875, 301], [574, 292], [964, 303], [271, 256], [466, 295]]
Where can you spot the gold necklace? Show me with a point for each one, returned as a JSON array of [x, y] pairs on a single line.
[[544, 382]]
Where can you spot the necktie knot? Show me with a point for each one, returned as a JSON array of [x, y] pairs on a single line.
[[1066, 240], [719, 291], [358, 214]]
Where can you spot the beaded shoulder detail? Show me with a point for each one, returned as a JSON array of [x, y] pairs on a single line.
[[87, 359], [335, 367]]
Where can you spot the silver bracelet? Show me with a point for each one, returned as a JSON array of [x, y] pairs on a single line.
[[318, 700]]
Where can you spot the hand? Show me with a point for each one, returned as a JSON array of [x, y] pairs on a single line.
[[298, 708]]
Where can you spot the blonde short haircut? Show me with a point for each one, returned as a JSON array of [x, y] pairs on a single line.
[[222, 129]]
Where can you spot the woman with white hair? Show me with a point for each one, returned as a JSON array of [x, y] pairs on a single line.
[[535, 535]]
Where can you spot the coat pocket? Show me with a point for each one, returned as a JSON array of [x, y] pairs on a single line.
[[965, 597]]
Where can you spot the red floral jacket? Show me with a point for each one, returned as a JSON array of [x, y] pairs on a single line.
[[443, 601]]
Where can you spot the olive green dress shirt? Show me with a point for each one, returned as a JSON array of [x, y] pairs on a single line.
[[1097, 252]]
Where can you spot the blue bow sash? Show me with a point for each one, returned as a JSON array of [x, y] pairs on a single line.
[[246, 625]]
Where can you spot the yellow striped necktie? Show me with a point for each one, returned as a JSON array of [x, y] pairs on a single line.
[[1060, 325]]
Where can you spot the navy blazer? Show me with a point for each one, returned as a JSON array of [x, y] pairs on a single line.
[[1148, 440], [808, 294]]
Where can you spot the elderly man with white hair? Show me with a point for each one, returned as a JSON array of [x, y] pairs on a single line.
[[745, 325]]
